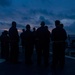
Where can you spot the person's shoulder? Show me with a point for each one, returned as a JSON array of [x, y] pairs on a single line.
[[21, 34], [49, 31], [54, 29], [39, 28], [63, 29], [10, 28], [31, 31]]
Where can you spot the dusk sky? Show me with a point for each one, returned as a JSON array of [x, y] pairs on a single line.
[[34, 11]]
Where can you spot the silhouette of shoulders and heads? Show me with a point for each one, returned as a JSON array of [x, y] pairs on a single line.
[[28, 34], [23, 30], [13, 32], [61, 25], [22, 37], [34, 34], [13, 24], [43, 36], [22, 34], [42, 24], [57, 23], [14, 43], [27, 27], [34, 29], [5, 45], [46, 27], [59, 36], [41, 29], [28, 45]]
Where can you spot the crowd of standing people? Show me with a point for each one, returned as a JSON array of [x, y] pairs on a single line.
[[40, 39]]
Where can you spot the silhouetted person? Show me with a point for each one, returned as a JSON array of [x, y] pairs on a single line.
[[14, 43], [5, 45], [34, 32], [34, 37], [34, 29], [61, 25], [59, 37], [22, 37], [28, 39], [43, 36]]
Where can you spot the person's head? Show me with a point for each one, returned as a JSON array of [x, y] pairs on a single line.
[[23, 30], [5, 32], [46, 27], [61, 25], [57, 23], [13, 24], [27, 27], [42, 24], [34, 29]]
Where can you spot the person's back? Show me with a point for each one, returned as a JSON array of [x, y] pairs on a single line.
[[41, 33], [43, 36], [5, 45], [28, 37], [22, 37], [59, 37], [34, 34], [59, 34], [14, 43], [47, 35], [13, 33], [28, 40]]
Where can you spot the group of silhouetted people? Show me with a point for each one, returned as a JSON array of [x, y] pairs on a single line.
[[38, 39]]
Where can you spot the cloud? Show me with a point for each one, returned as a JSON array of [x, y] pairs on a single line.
[[5, 3], [69, 14], [20, 26], [6, 25], [72, 26], [35, 11], [35, 4], [67, 22], [70, 29], [27, 18], [43, 11], [42, 18]]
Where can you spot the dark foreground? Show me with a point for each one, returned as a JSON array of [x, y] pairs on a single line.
[[7, 68]]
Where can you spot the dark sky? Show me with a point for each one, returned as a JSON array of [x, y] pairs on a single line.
[[35, 11]]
